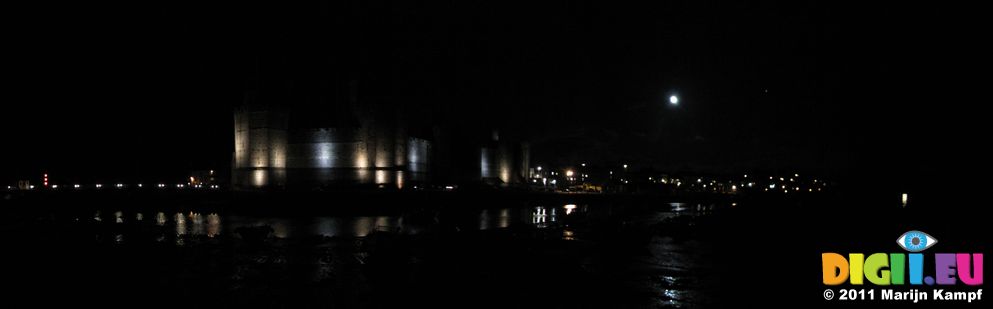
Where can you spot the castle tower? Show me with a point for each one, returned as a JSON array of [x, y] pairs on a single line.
[[260, 147]]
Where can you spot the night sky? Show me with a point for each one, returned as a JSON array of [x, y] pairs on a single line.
[[146, 90]]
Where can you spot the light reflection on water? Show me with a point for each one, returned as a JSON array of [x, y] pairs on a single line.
[[212, 224], [569, 208], [542, 216], [568, 234], [160, 219], [180, 224], [563, 222], [681, 208]]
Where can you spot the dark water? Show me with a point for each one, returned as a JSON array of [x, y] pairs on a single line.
[[213, 224], [546, 256], [753, 253]]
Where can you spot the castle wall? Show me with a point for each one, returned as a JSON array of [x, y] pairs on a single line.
[[268, 155], [260, 148]]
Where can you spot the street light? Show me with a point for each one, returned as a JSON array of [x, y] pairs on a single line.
[[674, 100]]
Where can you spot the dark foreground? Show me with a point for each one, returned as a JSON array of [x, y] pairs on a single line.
[[531, 253]]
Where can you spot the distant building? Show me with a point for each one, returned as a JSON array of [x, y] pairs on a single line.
[[306, 131], [333, 142], [203, 178], [502, 162]]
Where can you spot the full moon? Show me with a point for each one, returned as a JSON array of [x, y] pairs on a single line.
[[673, 100]]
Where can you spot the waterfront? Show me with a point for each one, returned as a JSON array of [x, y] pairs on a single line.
[[554, 255], [527, 251]]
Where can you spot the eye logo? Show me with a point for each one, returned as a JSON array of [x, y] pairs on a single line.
[[915, 241]]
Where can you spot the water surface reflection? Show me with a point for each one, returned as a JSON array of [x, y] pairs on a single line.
[[647, 256], [196, 224]]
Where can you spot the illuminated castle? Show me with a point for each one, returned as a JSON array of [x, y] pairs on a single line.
[[326, 134], [323, 138]]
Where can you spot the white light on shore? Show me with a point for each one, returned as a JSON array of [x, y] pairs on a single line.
[[903, 199]]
